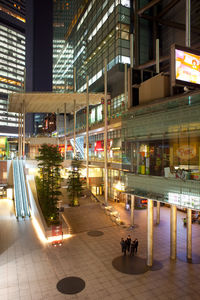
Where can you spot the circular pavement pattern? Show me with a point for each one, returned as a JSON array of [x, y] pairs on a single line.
[[130, 264], [70, 285], [195, 258], [95, 233]]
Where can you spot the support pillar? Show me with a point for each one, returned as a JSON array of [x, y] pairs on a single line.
[[87, 132], [24, 141], [158, 213], [21, 132], [125, 84], [157, 57], [188, 23], [131, 50], [19, 138], [189, 234], [105, 135], [65, 130], [74, 128], [57, 126], [173, 231], [132, 209], [150, 233]]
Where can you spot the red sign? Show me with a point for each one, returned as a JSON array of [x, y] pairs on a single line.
[[57, 232], [62, 148], [46, 124], [99, 146], [69, 148]]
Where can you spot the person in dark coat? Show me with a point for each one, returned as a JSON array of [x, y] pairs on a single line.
[[132, 248], [123, 245], [136, 245], [128, 242]]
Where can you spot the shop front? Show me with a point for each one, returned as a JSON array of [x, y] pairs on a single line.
[[4, 148], [176, 157]]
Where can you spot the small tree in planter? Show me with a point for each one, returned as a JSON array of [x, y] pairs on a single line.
[[74, 183], [48, 184]]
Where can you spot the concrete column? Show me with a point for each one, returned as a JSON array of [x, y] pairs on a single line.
[[21, 132], [157, 57], [150, 233], [19, 138], [87, 132], [173, 231], [74, 128], [132, 209], [74, 79], [105, 135], [24, 139], [65, 130], [189, 233], [188, 23], [125, 84], [158, 213], [131, 49], [57, 126]]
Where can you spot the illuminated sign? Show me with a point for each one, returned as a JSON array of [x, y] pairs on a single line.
[[186, 152], [184, 200], [62, 148], [46, 124], [99, 146], [185, 66], [57, 232], [69, 148]]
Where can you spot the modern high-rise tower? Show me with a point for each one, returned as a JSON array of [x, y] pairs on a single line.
[[12, 60]]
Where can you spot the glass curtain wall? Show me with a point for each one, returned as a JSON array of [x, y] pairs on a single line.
[[156, 144], [12, 65]]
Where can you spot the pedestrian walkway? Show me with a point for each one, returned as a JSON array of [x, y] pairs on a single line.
[[31, 270], [119, 207]]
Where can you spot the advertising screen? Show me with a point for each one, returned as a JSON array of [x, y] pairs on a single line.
[[187, 66]]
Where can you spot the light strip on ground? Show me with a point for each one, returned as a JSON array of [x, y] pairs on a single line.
[[41, 235]]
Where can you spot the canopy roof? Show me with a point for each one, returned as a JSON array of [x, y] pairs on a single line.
[[51, 102]]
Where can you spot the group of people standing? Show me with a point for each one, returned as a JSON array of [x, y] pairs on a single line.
[[129, 245]]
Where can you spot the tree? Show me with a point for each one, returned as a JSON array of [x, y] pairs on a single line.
[[48, 184], [74, 183]]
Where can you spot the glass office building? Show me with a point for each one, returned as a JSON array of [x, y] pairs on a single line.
[[97, 31], [12, 61]]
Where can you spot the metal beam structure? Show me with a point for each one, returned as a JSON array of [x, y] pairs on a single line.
[[149, 5], [167, 8], [169, 23], [152, 63]]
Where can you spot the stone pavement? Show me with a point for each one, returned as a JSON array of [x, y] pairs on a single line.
[[31, 270]]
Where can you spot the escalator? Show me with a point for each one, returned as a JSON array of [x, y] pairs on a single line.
[[79, 146], [22, 209]]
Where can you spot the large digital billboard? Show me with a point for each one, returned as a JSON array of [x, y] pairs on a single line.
[[185, 66]]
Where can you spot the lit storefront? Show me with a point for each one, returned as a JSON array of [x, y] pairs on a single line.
[[164, 150], [4, 148], [176, 157]]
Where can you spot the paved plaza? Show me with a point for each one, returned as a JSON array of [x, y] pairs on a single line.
[[31, 270]]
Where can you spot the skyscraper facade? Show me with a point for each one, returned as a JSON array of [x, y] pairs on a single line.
[[97, 31], [12, 60]]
